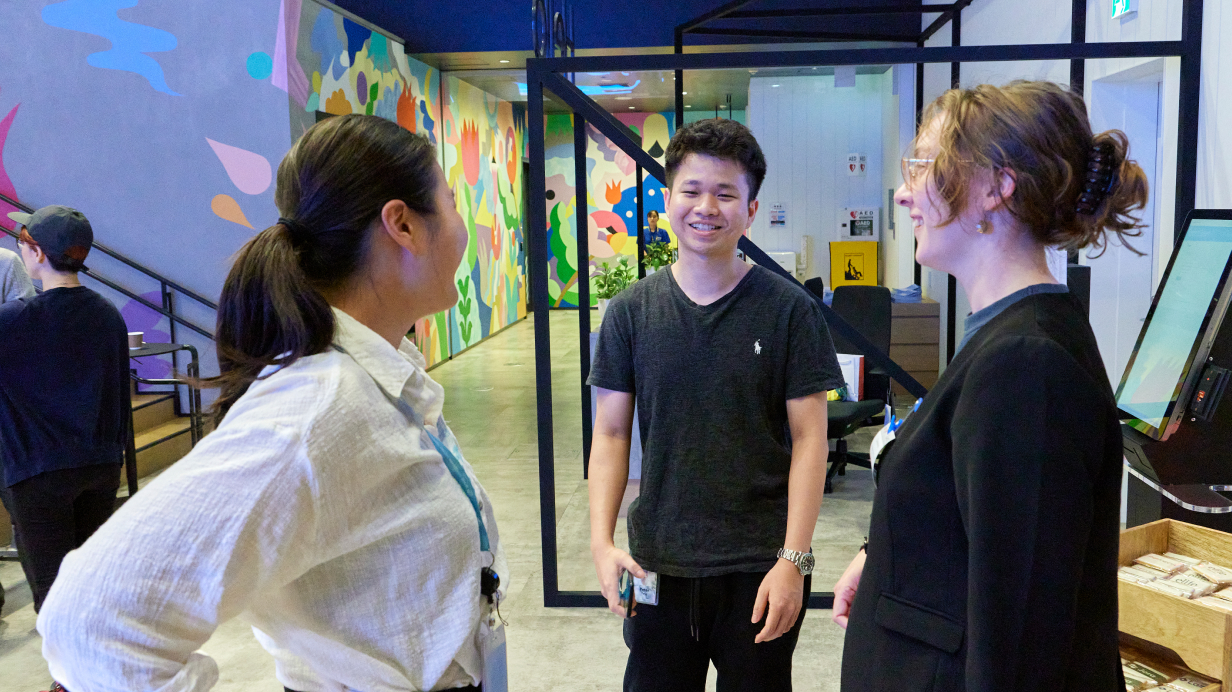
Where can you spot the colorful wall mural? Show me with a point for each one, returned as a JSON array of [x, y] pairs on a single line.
[[611, 198], [348, 68]]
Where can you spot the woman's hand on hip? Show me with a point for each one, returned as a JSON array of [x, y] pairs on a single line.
[[845, 589]]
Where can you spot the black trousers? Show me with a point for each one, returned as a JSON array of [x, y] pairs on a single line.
[[54, 513], [698, 621]]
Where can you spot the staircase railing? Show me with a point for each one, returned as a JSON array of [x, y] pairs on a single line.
[[167, 287]]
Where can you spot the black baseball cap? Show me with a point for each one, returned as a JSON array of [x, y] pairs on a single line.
[[63, 233]]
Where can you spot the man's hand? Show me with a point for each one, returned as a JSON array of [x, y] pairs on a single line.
[[845, 589], [609, 561], [782, 591]]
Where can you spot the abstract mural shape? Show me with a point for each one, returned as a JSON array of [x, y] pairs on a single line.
[[289, 75], [6, 184], [140, 318], [129, 42], [612, 195], [227, 208], [251, 172], [260, 65]]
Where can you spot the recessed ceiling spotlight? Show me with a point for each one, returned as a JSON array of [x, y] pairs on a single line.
[[685, 93], [504, 61], [774, 85], [631, 108], [624, 98], [688, 106]]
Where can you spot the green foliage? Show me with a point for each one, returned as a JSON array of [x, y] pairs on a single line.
[[464, 310], [659, 255], [611, 280]]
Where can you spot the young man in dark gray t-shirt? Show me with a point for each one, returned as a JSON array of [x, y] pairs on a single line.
[[723, 360]]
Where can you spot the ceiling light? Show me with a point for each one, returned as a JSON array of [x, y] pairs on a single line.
[[774, 85], [685, 93], [624, 98], [504, 61], [688, 106], [631, 108]]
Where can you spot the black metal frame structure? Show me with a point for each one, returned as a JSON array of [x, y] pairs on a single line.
[[549, 74]]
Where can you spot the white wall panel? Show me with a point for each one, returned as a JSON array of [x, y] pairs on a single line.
[[807, 127]]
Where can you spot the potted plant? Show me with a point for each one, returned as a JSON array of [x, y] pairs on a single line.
[[658, 255], [610, 280]]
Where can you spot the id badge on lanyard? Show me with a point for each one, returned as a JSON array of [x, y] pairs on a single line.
[[495, 675], [495, 656]]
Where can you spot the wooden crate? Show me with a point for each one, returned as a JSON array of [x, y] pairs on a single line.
[[1200, 636], [1164, 661]]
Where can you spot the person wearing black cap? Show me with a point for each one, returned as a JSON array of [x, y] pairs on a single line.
[[64, 397]]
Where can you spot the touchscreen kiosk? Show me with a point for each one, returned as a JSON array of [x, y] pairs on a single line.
[[1177, 437]]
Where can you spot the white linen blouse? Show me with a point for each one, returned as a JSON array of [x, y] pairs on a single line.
[[317, 513]]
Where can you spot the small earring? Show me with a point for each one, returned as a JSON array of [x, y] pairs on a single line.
[[983, 227]]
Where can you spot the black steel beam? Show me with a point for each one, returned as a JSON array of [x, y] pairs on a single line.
[[951, 284], [1191, 96], [860, 56], [641, 219], [812, 35], [537, 268], [1078, 34], [582, 220], [835, 12], [716, 13], [604, 122], [941, 21], [919, 112], [678, 82]]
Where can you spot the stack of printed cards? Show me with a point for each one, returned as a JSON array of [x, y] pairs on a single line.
[[1184, 577]]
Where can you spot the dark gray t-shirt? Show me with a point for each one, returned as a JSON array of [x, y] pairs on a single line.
[[712, 384]]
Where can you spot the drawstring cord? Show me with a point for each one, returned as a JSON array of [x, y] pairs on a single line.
[[695, 616]]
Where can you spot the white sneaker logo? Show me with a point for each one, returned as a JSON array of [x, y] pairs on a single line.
[[757, 347]]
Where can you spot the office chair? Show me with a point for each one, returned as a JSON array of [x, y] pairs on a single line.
[[867, 309]]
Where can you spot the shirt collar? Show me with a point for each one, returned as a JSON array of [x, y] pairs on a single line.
[[390, 367]]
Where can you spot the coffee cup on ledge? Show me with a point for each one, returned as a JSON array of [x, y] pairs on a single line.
[[136, 339]]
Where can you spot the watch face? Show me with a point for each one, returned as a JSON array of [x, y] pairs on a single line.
[[807, 561]]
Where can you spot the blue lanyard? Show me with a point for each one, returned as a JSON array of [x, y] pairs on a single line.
[[447, 455]]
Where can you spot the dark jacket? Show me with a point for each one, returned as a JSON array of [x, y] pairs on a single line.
[[993, 545]]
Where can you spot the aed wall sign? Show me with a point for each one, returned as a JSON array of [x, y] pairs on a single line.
[[1121, 8]]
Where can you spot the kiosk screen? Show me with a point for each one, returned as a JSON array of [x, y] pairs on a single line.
[[1175, 325]]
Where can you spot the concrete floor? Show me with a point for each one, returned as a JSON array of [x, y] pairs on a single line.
[[490, 404]]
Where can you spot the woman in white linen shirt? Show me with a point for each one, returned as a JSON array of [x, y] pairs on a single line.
[[317, 511]]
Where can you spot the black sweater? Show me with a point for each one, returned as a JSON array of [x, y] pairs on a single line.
[[993, 546]]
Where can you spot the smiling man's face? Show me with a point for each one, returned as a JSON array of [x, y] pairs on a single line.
[[709, 205]]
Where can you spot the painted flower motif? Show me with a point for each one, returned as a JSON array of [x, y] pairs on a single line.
[[469, 148], [512, 160], [338, 104], [612, 193], [407, 105]]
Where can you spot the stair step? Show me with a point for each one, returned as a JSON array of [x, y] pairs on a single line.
[[142, 400], [151, 411], [178, 426]]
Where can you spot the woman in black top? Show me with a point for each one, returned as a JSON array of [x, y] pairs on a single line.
[[992, 554]]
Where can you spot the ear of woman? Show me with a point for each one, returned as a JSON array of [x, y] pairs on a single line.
[[405, 226]]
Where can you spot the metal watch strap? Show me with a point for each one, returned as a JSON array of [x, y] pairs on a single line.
[[797, 558]]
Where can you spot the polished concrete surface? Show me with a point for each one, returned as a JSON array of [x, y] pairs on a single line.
[[490, 405]]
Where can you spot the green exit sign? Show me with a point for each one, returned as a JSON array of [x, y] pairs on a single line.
[[1120, 8]]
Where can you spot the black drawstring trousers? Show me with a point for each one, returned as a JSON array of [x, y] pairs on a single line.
[[709, 619]]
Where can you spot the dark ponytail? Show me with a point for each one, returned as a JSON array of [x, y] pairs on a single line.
[[331, 188]]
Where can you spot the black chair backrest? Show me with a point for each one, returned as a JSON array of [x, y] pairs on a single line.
[[867, 308], [816, 286]]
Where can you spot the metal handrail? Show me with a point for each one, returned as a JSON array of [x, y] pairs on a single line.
[[165, 310]]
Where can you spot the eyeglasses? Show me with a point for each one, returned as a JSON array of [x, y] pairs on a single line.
[[914, 168], [24, 238]]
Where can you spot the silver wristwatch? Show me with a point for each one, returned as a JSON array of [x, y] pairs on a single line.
[[803, 561]]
